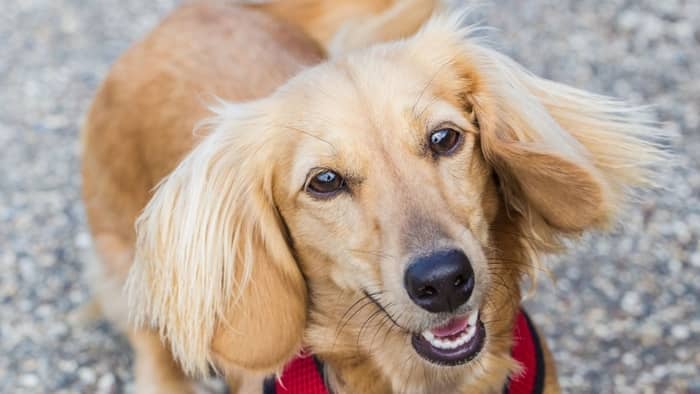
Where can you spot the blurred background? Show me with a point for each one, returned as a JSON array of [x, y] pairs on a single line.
[[622, 314]]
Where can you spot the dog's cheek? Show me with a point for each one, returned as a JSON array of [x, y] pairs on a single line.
[[481, 200], [354, 275], [491, 201]]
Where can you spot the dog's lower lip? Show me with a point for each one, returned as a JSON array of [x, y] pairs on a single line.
[[451, 353]]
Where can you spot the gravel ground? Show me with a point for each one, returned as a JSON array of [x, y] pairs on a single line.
[[622, 315]]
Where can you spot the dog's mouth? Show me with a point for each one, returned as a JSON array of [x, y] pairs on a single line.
[[454, 343]]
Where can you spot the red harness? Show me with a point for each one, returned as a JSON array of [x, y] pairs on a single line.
[[304, 374]]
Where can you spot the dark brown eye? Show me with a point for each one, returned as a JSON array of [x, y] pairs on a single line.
[[444, 141], [325, 184]]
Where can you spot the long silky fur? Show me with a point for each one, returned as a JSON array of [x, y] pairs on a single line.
[[195, 237]]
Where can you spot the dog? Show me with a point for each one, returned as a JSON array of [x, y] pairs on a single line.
[[376, 205]]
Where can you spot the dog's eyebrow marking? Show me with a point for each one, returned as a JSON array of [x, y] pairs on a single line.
[[335, 151], [443, 114], [448, 62]]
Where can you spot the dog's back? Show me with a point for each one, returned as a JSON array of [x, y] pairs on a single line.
[[349, 24]]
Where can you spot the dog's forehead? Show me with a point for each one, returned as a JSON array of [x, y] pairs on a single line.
[[365, 101], [364, 112]]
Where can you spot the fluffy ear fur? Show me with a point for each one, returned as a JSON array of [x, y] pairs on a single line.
[[213, 270], [565, 154], [541, 166], [566, 159]]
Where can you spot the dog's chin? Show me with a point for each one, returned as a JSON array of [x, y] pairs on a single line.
[[455, 343]]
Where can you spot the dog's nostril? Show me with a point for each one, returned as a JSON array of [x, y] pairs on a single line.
[[459, 281], [426, 291]]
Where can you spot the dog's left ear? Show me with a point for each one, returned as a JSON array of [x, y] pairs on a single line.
[[214, 271], [563, 154]]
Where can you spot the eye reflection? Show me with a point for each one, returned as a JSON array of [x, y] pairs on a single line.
[[444, 141], [325, 184]]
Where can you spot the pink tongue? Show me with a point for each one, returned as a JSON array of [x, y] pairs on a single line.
[[453, 327]]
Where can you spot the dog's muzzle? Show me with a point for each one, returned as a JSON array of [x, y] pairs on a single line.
[[442, 282]]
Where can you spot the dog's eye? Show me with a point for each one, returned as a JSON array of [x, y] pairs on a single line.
[[325, 184], [444, 141]]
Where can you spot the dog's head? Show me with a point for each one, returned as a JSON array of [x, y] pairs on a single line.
[[382, 206]]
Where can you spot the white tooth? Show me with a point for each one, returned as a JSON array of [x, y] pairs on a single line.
[[472, 318], [447, 344], [464, 337], [467, 336], [470, 333]]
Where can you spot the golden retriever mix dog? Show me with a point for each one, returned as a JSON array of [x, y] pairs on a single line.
[[379, 208]]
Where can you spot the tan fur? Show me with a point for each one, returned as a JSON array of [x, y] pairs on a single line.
[[238, 267], [342, 25]]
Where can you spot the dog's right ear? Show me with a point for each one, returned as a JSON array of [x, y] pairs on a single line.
[[570, 156], [213, 271]]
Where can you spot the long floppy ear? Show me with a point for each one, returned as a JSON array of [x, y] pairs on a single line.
[[563, 155], [213, 270]]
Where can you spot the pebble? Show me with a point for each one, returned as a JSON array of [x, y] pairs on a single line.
[[695, 259], [631, 303], [680, 332], [83, 240], [683, 233], [106, 383], [29, 380], [630, 360], [87, 375]]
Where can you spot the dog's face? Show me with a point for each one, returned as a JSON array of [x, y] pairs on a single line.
[[387, 195], [380, 207]]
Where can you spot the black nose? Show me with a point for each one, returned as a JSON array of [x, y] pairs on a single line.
[[441, 281]]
